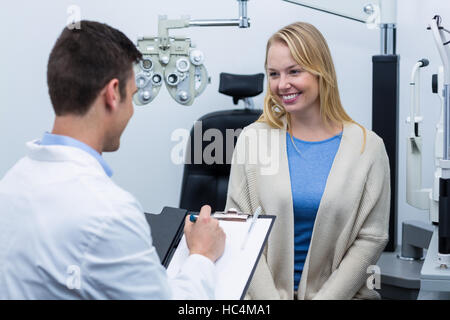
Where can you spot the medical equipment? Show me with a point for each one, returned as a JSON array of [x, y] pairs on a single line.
[[444, 181], [375, 13], [433, 273], [385, 77], [175, 61], [438, 88], [416, 196]]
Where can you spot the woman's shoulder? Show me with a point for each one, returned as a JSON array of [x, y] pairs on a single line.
[[259, 129], [259, 136], [360, 135], [259, 125], [369, 151]]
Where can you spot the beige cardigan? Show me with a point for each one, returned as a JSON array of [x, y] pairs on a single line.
[[351, 226]]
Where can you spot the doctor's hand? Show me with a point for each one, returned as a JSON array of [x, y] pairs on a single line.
[[205, 236]]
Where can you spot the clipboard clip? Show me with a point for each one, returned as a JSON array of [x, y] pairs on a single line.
[[231, 215]]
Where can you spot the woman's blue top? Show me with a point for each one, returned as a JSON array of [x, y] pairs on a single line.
[[309, 167]]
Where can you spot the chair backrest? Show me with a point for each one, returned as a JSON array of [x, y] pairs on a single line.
[[241, 86], [211, 144]]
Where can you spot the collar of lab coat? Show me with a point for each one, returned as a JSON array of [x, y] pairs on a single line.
[[56, 139], [61, 153]]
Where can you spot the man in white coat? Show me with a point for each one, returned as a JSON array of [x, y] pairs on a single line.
[[67, 231]]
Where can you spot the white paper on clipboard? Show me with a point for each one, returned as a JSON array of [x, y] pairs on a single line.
[[236, 266]]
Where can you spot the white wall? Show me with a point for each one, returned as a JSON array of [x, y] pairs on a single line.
[[28, 30]]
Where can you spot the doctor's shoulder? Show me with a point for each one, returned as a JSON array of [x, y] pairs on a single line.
[[111, 195]]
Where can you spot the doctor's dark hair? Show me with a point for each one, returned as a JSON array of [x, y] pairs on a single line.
[[83, 61]]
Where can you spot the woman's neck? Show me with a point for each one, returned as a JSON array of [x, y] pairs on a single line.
[[313, 128]]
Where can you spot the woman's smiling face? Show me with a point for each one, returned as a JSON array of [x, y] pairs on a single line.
[[295, 88]]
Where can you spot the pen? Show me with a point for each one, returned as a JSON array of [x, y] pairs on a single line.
[[192, 217], [255, 217], [230, 215]]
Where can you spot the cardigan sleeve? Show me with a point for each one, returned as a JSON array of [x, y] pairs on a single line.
[[349, 279], [242, 196]]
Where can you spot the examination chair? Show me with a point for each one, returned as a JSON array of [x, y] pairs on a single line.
[[207, 183]]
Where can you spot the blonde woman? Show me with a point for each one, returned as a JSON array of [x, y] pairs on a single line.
[[328, 182]]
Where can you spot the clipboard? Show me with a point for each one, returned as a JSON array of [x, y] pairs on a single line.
[[236, 263], [166, 230]]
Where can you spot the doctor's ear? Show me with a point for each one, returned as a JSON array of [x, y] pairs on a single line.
[[112, 94]]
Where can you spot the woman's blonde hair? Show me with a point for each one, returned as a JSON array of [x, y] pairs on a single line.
[[310, 50]]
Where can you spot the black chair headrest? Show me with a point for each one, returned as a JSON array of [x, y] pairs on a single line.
[[240, 86]]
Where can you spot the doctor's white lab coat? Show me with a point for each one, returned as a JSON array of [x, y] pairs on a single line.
[[67, 231]]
